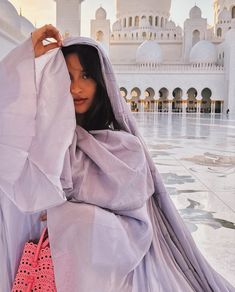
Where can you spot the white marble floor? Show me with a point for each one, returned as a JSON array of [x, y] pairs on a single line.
[[195, 155]]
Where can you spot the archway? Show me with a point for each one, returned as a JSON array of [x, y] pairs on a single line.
[[137, 20], [135, 99], [156, 21], [99, 36], [219, 32], [191, 101], [163, 101], [177, 101], [123, 92], [233, 12], [196, 37], [206, 100], [149, 100]]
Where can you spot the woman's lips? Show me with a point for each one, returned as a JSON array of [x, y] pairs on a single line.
[[79, 101]]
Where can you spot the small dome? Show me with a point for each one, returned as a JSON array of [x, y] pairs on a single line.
[[170, 25], [9, 14], [195, 13], [26, 26], [203, 52], [117, 26], [178, 29], [149, 52], [224, 15], [100, 14], [144, 23]]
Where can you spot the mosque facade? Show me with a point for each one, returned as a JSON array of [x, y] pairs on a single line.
[[163, 67], [160, 67]]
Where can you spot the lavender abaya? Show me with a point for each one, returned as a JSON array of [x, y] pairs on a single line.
[[112, 226]]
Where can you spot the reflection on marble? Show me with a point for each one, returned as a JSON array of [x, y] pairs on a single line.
[[174, 179], [194, 213], [195, 156], [213, 159]]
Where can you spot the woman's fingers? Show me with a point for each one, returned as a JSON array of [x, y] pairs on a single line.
[[42, 34], [51, 47], [49, 31]]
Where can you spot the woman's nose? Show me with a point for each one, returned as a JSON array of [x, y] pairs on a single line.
[[75, 88]]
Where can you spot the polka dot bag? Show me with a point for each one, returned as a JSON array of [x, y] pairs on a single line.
[[35, 272]]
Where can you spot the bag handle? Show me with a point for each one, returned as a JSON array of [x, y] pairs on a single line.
[[40, 245]]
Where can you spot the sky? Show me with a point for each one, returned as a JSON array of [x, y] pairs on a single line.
[[43, 11]]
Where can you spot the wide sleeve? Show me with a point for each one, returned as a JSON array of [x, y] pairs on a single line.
[[36, 128]]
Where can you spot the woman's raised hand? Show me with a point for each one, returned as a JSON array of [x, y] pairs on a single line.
[[41, 34]]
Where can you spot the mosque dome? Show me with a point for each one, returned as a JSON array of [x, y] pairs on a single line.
[[195, 12], [117, 26], [203, 52], [26, 26], [144, 23], [170, 25], [138, 7], [224, 15], [9, 14], [149, 52], [100, 14]]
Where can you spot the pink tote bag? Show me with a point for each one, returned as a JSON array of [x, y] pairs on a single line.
[[35, 272]]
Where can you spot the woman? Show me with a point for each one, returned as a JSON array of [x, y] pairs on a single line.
[[112, 226]]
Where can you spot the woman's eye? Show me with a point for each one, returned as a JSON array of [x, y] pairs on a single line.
[[85, 76]]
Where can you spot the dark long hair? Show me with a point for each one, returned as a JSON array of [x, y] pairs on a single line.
[[100, 115]]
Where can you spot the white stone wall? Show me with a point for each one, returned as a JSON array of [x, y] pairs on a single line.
[[125, 53], [132, 6], [198, 79], [230, 70], [68, 16]]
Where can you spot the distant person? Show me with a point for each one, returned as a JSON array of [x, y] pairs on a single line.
[[227, 112]]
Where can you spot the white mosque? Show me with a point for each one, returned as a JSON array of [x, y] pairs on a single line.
[[159, 66]]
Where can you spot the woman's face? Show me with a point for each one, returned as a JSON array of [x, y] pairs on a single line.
[[82, 87]]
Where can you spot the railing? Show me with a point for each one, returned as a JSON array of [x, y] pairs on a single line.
[[158, 68]]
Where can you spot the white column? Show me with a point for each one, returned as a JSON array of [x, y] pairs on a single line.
[[141, 108], [184, 105], [199, 101], [170, 105], [213, 106], [156, 105], [129, 104], [222, 106]]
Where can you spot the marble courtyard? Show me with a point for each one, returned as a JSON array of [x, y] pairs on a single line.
[[195, 155]]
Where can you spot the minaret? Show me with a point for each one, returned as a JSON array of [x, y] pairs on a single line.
[[100, 28], [195, 29], [68, 17]]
